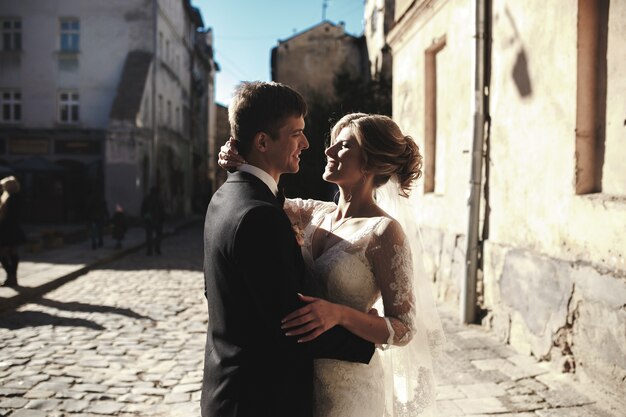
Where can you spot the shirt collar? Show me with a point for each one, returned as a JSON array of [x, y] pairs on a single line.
[[262, 175]]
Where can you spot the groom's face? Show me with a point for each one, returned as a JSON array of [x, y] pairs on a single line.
[[284, 150]]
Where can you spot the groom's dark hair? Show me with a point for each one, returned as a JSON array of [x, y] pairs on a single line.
[[259, 106]]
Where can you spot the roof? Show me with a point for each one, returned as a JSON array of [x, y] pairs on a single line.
[[322, 23], [130, 88], [196, 16]]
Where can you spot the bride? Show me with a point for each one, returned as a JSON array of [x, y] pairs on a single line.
[[361, 253]]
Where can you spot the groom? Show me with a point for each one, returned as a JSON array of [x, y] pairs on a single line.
[[254, 270]]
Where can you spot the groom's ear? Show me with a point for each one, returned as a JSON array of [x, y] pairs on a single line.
[[260, 141]]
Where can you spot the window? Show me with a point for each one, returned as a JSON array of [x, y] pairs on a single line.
[[161, 44], [68, 107], [169, 113], [160, 116], [70, 35], [11, 34], [430, 117], [146, 110], [167, 51], [185, 126], [374, 20], [11, 105], [591, 97], [177, 127]]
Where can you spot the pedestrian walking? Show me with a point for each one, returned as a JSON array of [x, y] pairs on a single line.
[[153, 216], [98, 217], [11, 233], [118, 221]]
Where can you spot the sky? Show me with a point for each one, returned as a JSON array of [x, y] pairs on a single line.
[[245, 31]]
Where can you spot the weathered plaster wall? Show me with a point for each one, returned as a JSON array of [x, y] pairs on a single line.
[[555, 261], [569, 313], [443, 214], [614, 171], [554, 268]]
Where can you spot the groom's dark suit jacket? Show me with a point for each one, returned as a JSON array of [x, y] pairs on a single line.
[[253, 271]]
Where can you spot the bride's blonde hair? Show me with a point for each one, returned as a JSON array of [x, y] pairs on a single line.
[[386, 150]]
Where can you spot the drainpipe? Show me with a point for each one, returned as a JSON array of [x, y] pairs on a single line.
[[155, 123], [586, 97], [474, 244]]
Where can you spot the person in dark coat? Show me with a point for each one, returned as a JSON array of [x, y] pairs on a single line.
[[153, 215], [11, 233], [98, 217], [118, 221]]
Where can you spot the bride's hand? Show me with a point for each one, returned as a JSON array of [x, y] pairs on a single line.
[[228, 158], [313, 319]]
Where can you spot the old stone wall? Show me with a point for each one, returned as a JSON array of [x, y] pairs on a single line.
[[553, 278]]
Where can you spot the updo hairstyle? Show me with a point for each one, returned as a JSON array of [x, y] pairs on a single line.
[[10, 185], [386, 150]]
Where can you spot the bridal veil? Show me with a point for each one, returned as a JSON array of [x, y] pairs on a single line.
[[409, 379]]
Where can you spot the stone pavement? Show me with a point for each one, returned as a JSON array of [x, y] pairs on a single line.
[[480, 376], [43, 271], [127, 339]]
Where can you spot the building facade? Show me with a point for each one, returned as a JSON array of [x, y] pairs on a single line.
[[222, 133], [310, 60], [378, 19], [553, 202], [104, 97]]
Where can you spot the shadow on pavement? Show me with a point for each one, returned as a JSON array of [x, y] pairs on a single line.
[[90, 308], [21, 319]]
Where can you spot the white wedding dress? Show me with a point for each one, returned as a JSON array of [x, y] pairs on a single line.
[[344, 274]]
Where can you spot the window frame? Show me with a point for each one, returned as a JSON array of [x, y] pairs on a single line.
[[13, 103], [70, 33], [71, 103], [160, 116], [432, 180], [13, 34]]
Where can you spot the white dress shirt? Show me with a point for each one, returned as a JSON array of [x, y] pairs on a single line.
[[262, 175]]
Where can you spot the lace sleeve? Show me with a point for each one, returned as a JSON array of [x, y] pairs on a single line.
[[301, 212], [393, 270]]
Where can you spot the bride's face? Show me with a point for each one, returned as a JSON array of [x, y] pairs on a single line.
[[344, 160]]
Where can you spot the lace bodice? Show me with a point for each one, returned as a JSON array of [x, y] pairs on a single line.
[[373, 261]]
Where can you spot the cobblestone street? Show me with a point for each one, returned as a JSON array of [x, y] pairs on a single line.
[[128, 340]]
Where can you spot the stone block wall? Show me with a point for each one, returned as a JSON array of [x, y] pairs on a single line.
[[570, 313]]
